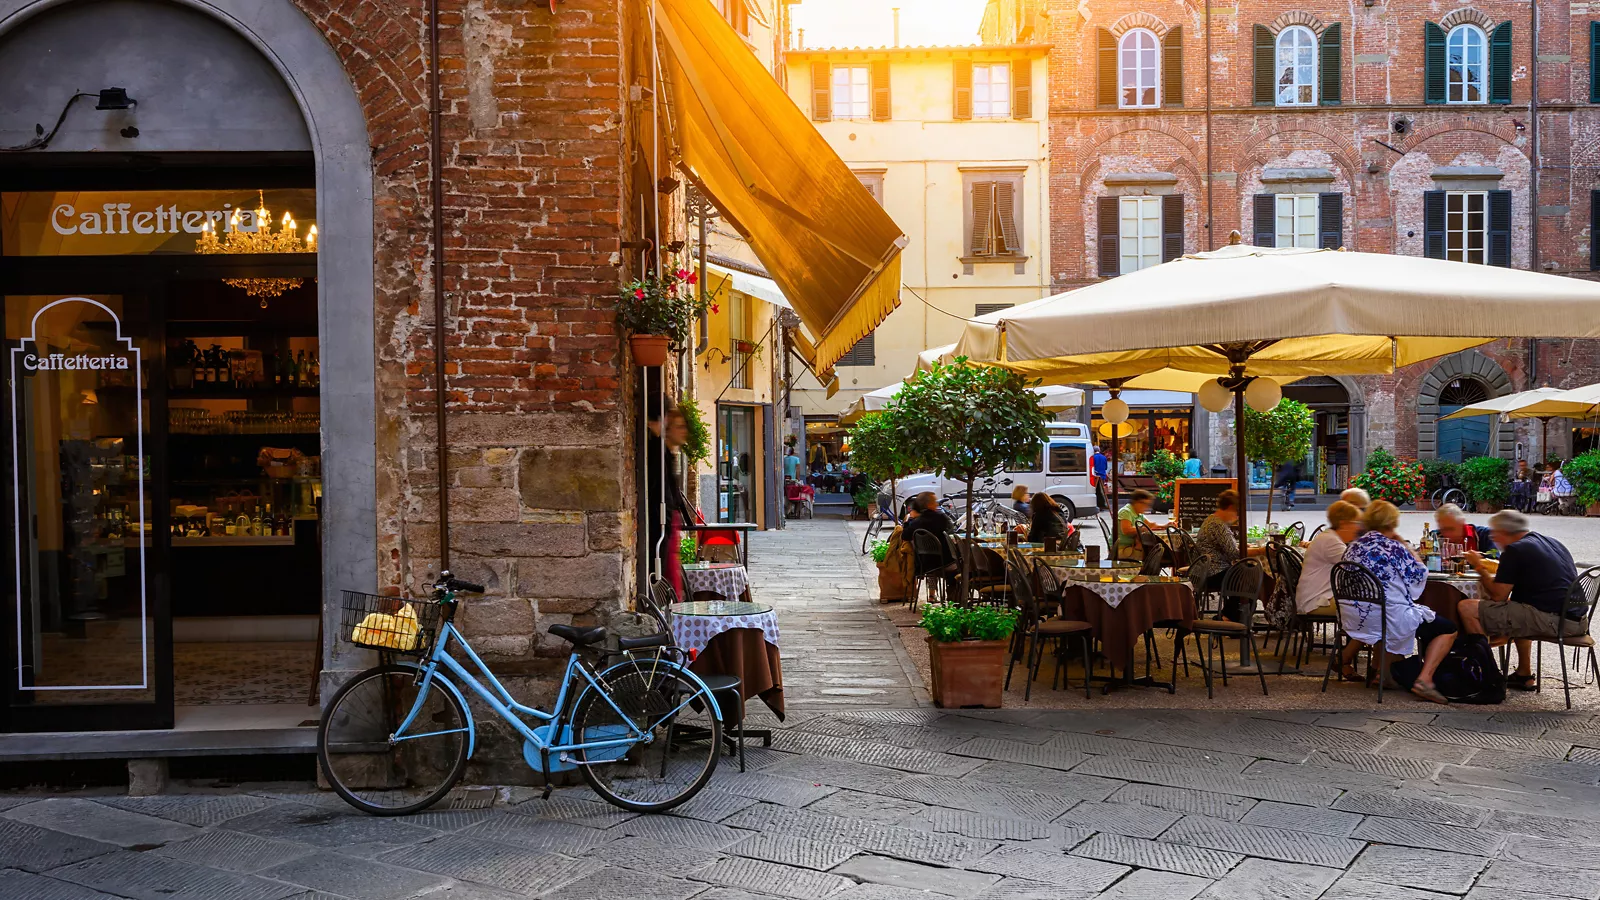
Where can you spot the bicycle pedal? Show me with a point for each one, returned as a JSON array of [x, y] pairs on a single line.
[[545, 794]]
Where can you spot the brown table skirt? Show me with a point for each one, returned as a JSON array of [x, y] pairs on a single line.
[[1119, 629], [745, 652]]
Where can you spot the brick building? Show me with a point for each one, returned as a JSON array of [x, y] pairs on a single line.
[[300, 373], [1382, 127]]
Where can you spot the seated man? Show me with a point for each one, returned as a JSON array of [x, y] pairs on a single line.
[[1356, 497], [1457, 536], [927, 516], [1525, 596]]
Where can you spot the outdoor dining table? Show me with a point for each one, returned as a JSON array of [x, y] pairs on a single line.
[[1076, 568], [733, 638], [730, 581], [1121, 612], [1443, 592]]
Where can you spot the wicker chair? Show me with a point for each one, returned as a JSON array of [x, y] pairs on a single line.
[[1354, 583], [1242, 582], [1035, 632]]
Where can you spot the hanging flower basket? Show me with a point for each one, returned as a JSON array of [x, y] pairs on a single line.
[[659, 313], [649, 349]]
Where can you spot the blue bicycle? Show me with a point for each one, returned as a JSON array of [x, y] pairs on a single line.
[[645, 731]]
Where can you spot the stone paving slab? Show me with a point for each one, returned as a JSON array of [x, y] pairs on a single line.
[[1159, 855], [496, 865], [20, 885], [648, 855], [1072, 873], [1148, 884], [191, 809], [1350, 887], [916, 877], [793, 851], [625, 884], [1307, 792], [1265, 843], [357, 879], [1402, 806], [35, 849], [1290, 817], [1429, 835], [1185, 800], [146, 877], [1431, 870], [1261, 879], [1515, 876], [1130, 819], [781, 880], [994, 799], [233, 851]]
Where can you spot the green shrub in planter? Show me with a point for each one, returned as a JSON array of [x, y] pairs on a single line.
[[1165, 467], [688, 550], [947, 622], [1390, 478], [880, 551], [1437, 472], [1486, 479], [1584, 473]]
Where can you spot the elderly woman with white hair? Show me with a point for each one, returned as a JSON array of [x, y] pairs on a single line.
[[1356, 497], [1457, 536]]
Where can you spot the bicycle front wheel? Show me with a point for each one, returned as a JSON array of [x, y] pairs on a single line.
[[375, 765], [682, 736], [1453, 495]]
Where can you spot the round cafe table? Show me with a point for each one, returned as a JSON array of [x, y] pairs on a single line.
[[733, 638], [1076, 568], [1121, 612], [1443, 592], [728, 581]]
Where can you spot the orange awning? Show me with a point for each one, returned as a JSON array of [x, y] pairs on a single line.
[[817, 231]]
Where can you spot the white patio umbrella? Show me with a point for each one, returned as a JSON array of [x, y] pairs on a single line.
[[1242, 312], [1510, 407], [1052, 397], [1575, 403]]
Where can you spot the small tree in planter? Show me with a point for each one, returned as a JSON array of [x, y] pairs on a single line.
[[1280, 435], [1486, 481], [658, 312], [878, 451], [967, 421], [1584, 473], [1165, 467], [967, 648], [1387, 477]]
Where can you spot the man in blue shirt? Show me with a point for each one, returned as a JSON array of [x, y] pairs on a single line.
[[791, 464], [1102, 465], [1191, 466]]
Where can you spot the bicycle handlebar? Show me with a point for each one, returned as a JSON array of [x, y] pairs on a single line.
[[451, 583]]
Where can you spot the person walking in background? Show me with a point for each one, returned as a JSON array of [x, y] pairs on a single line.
[[1101, 466], [791, 464], [1191, 466], [1288, 476]]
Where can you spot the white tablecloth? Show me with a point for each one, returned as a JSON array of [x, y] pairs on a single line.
[[695, 632], [729, 582], [1469, 589]]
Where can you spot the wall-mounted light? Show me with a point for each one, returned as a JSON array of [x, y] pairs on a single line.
[[115, 98]]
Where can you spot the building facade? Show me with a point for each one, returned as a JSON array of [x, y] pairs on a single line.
[[1382, 127], [952, 141]]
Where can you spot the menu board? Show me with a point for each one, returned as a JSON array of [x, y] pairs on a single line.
[[1195, 498]]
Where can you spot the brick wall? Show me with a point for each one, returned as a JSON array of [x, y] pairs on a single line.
[[1382, 73], [536, 167]]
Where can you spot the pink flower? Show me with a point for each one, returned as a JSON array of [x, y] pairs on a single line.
[[692, 278], [682, 273], [714, 308], [639, 293]]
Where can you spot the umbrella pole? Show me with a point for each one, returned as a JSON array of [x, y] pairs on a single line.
[[1239, 466], [1111, 473]]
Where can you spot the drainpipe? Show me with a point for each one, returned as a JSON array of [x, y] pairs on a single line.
[[1533, 137], [1210, 242], [436, 187]]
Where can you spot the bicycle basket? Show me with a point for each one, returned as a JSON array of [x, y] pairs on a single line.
[[390, 624]]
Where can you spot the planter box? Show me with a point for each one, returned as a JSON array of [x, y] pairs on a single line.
[[1485, 506], [968, 673], [1423, 504], [1593, 510]]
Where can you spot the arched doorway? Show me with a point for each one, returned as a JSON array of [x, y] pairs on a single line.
[[1338, 447], [1456, 381], [228, 105]]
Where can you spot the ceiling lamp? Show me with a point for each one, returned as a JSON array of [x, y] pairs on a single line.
[[261, 239], [1263, 394], [1214, 397], [1114, 411]]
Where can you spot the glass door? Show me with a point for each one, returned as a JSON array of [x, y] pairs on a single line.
[[88, 648], [736, 445]]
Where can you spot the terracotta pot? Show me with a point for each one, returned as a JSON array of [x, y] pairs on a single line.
[[968, 673], [649, 349], [1486, 506], [1423, 504], [1593, 510]]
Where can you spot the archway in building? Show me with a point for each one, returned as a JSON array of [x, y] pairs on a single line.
[[1338, 448], [1456, 381]]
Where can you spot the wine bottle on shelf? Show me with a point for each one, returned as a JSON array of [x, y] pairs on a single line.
[[255, 523], [280, 525], [300, 371], [266, 523], [224, 368], [316, 370]]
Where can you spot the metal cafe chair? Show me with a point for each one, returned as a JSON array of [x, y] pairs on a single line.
[[1037, 632], [1242, 582], [928, 555], [727, 689], [1353, 584], [1582, 599]]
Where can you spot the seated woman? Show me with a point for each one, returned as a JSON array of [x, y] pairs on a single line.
[[1019, 500], [1128, 519], [1314, 596], [1216, 548], [1047, 520], [1403, 577]]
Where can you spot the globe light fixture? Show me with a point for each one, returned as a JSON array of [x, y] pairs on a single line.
[[1214, 397], [1263, 394], [1114, 411]]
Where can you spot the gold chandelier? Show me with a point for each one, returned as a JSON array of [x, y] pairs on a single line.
[[261, 240]]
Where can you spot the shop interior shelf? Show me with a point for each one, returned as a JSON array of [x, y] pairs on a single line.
[[226, 393]]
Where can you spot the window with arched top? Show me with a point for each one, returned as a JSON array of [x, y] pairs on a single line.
[[1467, 65], [1138, 70], [1297, 67]]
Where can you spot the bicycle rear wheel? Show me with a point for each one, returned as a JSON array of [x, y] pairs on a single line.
[[365, 763], [683, 736]]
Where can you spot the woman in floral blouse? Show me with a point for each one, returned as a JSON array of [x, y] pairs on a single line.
[[1403, 577]]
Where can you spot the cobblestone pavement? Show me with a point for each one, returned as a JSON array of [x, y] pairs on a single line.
[[871, 796]]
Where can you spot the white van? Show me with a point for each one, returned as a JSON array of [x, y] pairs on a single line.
[[1060, 469]]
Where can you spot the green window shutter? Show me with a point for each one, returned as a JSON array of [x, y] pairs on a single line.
[[1500, 229], [1105, 93], [1266, 220], [1172, 67], [1266, 63], [1110, 231], [1433, 224], [1434, 64], [1171, 227], [1328, 65], [1500, 64], [1330, 220], [1594, 62]]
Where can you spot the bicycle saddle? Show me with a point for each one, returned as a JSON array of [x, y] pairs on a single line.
[[579, 637]]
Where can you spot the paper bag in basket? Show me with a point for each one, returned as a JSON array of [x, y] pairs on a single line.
[[396, 631]]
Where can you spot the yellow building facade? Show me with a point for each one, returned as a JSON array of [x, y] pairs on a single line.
[[953, 142]]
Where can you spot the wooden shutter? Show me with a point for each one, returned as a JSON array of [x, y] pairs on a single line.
[[1500, 64], [1172, 67], [1110, 231], [982, 217], [1266, 220], [1005, 209], [1105, 93], [878, 82], [1022, 89], [1433, 224], [1594, 228], [1434, 64], [1328, 58], [821, 91], [1266, 63], [1171, 227], [1500, 228], [1330, 220], [961, 101], [1594, 62]]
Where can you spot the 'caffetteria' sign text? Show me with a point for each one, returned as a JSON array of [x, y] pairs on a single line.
[[120, 223]]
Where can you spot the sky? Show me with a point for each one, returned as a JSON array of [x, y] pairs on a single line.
[[870, 23]]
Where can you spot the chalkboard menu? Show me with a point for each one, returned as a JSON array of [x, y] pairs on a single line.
[[1195, 498]]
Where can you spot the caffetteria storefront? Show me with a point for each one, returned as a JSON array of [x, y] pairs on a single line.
[[175, 511]]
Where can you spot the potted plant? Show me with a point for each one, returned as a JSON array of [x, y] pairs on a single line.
[[1486, 481], [1279, 435], [877, 451], [658, 312], [967, 648], [1584, 473], [1165, 467], [1436, 474], [698, 447], [1390, 478]]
